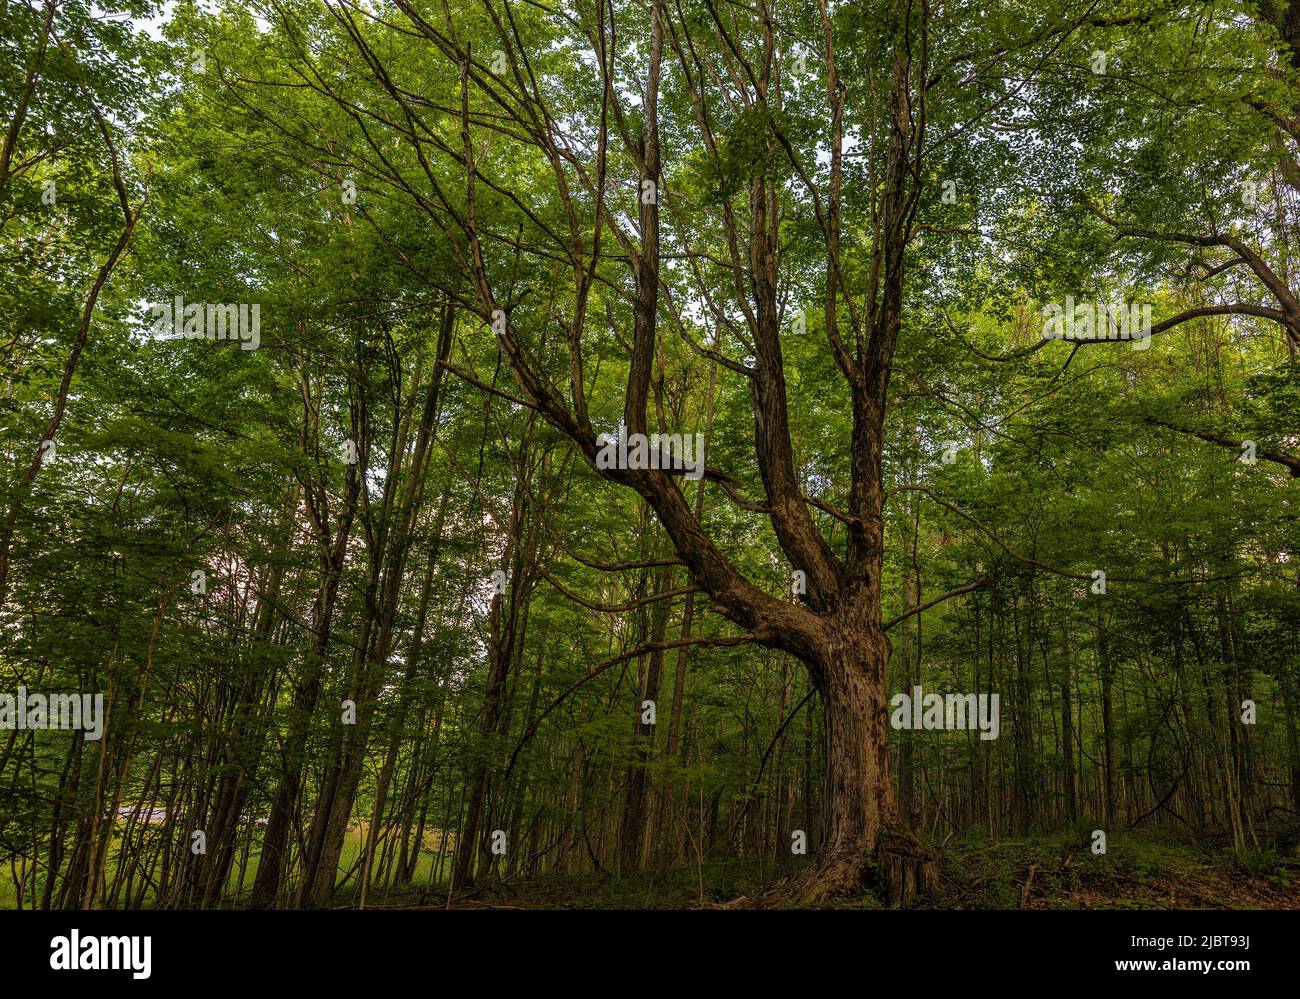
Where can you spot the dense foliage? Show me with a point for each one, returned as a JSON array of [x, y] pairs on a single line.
[[367, 616]]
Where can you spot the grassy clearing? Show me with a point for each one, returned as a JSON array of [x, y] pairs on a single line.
[[425, 868]]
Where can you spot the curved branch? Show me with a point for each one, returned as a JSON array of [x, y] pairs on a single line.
[[974, 585], [1056, 570], [1288, 461], [757, 635]]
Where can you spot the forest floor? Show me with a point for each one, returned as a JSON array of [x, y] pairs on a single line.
[[1055, 872], [1047, 873]]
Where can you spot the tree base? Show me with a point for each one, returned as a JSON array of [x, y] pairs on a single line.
[[900, 868]]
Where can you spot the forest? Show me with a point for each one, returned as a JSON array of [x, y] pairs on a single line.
[[643, 454]]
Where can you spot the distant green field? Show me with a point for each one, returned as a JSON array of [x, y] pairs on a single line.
[[352, 848]]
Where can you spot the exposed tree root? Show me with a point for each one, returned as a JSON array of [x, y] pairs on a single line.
[[900, 868]]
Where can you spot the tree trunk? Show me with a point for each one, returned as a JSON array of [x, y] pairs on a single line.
[[635, 811], [864, 840]]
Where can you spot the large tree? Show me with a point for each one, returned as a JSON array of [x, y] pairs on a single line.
[[735, 177]]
